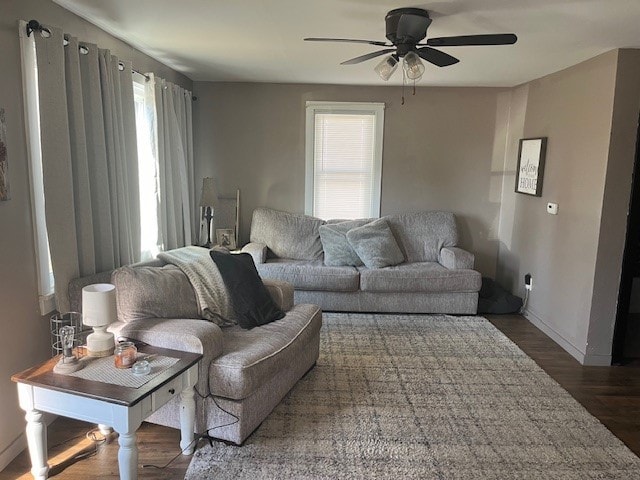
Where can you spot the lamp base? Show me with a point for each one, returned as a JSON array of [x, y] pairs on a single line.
[[100, 343], [67, 365]]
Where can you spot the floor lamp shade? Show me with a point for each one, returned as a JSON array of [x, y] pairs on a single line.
[[98, 311]]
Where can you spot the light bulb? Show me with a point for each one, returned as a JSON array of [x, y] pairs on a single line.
[[386, 67], [67, 333], [413, 66]]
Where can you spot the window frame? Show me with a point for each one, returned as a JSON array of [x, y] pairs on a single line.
[[346, 108]]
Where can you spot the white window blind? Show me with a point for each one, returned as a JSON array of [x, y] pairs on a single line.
[[344, 157]]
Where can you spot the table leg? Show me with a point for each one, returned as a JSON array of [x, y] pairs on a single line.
[[128, 455], [37, 441], [105, 430], [187, 420]]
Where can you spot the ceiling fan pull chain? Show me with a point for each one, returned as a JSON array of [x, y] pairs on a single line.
[[403, 80], [414, 86]]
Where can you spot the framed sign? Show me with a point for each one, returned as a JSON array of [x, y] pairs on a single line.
[[530, 170]]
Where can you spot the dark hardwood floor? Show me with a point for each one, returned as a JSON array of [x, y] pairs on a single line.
[[612, 394]]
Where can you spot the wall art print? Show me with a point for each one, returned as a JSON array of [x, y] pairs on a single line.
[[4, 161], [531, 157]]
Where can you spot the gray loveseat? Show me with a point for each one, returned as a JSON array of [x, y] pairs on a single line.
[[436, 276], [245, 372]]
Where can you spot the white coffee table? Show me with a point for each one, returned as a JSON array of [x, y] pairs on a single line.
[[122, 408]]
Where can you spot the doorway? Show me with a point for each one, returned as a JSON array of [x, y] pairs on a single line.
[[626, 336]]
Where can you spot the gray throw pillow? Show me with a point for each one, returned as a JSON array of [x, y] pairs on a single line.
[[375, 244], [337, 250]]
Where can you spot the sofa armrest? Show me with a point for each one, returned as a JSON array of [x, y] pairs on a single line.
[[187, 335], [257, 250], [281, 292], [455, 258]]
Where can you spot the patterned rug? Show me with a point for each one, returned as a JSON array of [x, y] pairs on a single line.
[[422, 397]]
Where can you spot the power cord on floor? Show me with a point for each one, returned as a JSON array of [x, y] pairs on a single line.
[[206, 435]]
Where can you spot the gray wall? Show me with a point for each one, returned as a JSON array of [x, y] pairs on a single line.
[[574, 257], [440, 150], [25, 338]]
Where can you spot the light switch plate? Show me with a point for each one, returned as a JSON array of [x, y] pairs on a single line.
[[552, 208]]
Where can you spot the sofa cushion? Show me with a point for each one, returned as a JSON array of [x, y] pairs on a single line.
[[251, 301], [287, 235], [375, 245], [337, 250], [153, 292], [252, 358], [428, 277], [311, 275], [421, 235]]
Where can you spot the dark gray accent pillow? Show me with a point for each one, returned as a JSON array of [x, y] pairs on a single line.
[[375, 244], [337, 250], [251, 300]]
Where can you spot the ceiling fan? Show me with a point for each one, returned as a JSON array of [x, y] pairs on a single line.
[[405, 29]]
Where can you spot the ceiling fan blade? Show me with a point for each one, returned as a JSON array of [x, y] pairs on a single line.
[[368, 56], [412, 26], [464, 40], [437, 57], [348, 40]]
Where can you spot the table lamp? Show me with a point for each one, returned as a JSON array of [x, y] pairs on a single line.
[[98, 311], [208, 200]]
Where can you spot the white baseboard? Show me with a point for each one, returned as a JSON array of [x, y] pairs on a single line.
[[13, 450], [555, 336], [19, 444], [597, 360]]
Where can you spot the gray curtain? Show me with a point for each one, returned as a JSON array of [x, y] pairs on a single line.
[[177, 224], [89, 154]]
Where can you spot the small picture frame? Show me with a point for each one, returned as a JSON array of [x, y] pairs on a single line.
[[225, 237], [531, 157]]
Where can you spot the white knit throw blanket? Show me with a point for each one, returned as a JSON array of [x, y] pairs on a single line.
[[214, 302]]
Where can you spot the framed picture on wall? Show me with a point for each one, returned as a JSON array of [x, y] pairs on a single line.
[[531, 156]]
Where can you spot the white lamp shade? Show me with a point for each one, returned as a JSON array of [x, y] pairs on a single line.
[[386, 67], [209, 195], [413, 66], [99, 304]]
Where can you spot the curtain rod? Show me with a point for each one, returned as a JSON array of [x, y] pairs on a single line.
[[36, 26]]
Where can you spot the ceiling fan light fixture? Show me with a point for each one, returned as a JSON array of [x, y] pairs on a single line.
[[413, 66], [386, 67]]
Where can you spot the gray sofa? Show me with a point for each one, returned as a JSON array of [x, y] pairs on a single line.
[[245, 372], [436, 276]]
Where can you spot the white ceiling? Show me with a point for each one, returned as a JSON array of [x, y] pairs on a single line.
[[261, 40]]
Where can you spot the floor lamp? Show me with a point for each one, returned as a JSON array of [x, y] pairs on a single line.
[[208, 199]]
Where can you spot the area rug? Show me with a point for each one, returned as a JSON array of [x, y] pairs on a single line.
[[422, 397]]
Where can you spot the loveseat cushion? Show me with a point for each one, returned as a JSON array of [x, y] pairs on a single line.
[[304, 275], [427, 277], [153, 292], [287, 235], [252, 358]]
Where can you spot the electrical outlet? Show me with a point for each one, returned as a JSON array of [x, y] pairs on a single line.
[[528, 281]]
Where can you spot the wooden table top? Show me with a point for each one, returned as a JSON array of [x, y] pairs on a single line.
[[42, 376]]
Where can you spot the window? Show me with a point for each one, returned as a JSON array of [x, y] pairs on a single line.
[[147, 167], [343, 159]]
